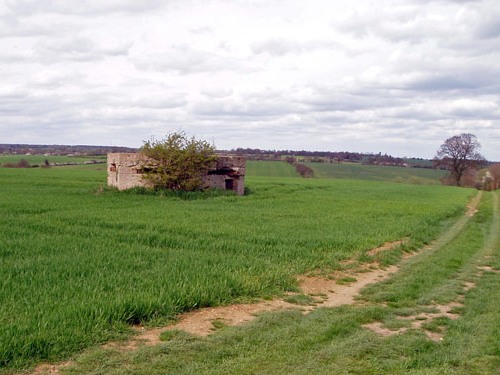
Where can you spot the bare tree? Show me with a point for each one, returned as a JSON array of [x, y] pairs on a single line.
[[459, 154]]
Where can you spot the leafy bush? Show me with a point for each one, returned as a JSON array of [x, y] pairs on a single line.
[[177, 162]]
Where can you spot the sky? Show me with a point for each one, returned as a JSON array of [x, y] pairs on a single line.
[[391, 76]]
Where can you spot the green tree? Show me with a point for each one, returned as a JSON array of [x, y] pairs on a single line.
[[177, 162], [459, 154]]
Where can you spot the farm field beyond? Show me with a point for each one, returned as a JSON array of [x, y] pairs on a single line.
[[419, 176], [80, 264]]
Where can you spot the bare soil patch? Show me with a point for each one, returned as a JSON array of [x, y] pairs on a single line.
[[487, 269], [417, 322], [50, 369], [379, 329], [468, 285], [385, 247], [472, 206]]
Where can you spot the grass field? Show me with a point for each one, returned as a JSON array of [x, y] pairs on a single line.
[[40, 159], [350, 171], [270, 169], [377, 173], [79, 263]]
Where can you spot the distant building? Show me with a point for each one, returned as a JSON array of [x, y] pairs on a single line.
[[125, 172]]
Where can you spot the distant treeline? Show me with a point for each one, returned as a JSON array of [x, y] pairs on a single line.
[[250, 153], [79, 150], [280, 154], [23, 163], [332, 157]]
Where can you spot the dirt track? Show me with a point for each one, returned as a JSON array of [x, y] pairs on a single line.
[[325, 292]]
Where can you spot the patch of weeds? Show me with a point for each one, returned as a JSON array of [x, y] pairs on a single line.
[[170, 334], [249, 300], [101, 189], [429, 309], [218, 324], [458, 310], [390, 257], [320, 295], [340, 264], [395, 324], [180, 194], [437, 324], [345, 280], [405, 311], [300, 299], [106, 360], [364, 270], [365, 258]]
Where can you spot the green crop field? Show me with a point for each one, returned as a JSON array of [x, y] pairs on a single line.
[[270, 169], [351, 171], [40, 159], [377, 173], [80, 263]]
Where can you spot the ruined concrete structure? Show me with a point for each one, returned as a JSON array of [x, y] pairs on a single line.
[[125, 172]]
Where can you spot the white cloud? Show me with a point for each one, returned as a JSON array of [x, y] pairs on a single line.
[[88, 7], [182, 59]]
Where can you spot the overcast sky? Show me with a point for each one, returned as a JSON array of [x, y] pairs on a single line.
[[390, 76]]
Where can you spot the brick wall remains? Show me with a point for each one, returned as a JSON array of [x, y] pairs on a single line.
[[124, 172]]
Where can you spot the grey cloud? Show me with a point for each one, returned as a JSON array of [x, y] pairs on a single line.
[[419, 2], [89, 7], [161, 102], [56, 80], [420, 112], [202, 30], [183, 60], [24, 104], [447, 1], [52, 105], [11, 26], [478, 109], [324, 98], [281, 47], [16, 56], [489, 26], [468, 29], [242, 110], [466, 113], [442, 83], [414, 24], [217, 93], [457, 79], [77, 48], [246, 106]]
